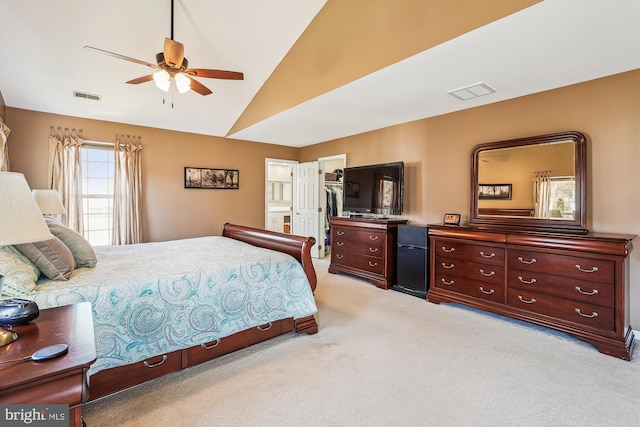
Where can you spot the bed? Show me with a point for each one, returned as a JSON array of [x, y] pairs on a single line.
[[164, 306]]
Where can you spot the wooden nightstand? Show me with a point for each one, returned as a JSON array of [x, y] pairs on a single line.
[[62, 380]]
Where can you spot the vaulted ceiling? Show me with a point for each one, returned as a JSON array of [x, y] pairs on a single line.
[[314, 70]]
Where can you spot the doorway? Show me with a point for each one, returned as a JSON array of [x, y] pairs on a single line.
[[279, 194]]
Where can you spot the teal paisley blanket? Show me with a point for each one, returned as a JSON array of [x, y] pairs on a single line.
[[153, 298]]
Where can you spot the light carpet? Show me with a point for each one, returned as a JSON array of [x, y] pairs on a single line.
[[384, 358]]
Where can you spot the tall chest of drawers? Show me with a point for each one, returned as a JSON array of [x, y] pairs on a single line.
[[578, 284], [365, 248]]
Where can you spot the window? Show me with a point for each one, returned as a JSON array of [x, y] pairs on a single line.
[[97, 192], [563, 190]]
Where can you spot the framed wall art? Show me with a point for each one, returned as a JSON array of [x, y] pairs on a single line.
[[210, 178], [494, 191]]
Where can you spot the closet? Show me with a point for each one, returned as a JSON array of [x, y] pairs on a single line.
[[332, 169]]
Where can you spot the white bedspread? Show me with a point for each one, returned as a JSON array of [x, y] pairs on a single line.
[[153, 298]]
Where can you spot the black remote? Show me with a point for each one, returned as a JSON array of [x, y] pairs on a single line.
[[49, 352]]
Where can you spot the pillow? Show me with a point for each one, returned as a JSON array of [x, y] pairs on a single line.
[[81, 249], [20, 275], [53, 258]]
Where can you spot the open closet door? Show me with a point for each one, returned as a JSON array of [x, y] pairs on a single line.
[[308, 210]]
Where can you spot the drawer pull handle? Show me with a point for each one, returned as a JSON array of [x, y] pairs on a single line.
[[374, 238], [593, 313], [373, 250], [450, 266], [489, 274], [339, 243], [527, 282], [593, 270], [486, 292], [449, 283], [483, 255], [149, 365], [339, 256], [340, 233], [533, 260], [372, 264], [209, 347], [593, 292], [448, 250], [265, 327], [531, 301]]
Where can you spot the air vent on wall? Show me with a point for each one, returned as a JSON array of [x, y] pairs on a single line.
[[472, 91], [86, 95]]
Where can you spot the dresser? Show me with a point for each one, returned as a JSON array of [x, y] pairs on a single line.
[[577, 284], [365, 248]]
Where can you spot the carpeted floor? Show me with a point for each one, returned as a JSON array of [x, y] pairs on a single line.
[[383, 358]]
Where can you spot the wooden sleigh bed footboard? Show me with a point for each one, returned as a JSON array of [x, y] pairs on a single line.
[[115, 379]]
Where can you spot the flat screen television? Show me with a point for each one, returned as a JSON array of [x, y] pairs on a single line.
[[374, 189]]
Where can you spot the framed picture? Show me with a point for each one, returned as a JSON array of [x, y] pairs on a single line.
[[453, 219], [211, 178], [494, 191]]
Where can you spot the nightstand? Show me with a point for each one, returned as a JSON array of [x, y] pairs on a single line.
[[62, 380]]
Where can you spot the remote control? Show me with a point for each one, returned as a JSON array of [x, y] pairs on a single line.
[[49, 352]]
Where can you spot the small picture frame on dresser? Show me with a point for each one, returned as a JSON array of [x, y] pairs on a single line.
[[451, 219]]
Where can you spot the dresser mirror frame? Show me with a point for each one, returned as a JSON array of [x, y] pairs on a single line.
[[523, 216]]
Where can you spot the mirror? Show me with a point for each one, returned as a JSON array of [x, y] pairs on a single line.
[[537, 182]]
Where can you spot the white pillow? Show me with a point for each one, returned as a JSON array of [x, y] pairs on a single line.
[[20, 275]]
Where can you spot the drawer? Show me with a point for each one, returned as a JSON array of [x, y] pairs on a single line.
[[211, 350], [565, 287], [476, 253], [595, 270], [568, 310], [471, 270], [486, 291], [367, 237], [374, 249], [104, 382], [358, 261]]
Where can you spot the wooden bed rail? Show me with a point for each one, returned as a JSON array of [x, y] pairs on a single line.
[[297, 246]]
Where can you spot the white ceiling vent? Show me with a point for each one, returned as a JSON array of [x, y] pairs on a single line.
[[472, 91], [86, 95]]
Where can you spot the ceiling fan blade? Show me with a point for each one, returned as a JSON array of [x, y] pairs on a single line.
[[215, 74], [199, 87], [173, 53], [126, 58], [139, 80]]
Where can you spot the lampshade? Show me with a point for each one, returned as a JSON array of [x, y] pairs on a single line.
[[49, 202], [162, 80], [20, 218], [183, 83]]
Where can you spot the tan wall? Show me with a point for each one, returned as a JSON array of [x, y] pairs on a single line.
[[169, 210], [437, 151]]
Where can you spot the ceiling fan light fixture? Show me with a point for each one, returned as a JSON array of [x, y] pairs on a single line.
[[162, 80], [183, 83]]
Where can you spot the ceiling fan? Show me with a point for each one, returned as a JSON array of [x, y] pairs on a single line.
[[172, 64]]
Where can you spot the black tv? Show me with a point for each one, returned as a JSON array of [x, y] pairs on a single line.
[[375, 190]]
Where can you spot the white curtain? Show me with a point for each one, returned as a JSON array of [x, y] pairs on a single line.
[[127, 227], [4, 148], [541, 193], [65, 173]]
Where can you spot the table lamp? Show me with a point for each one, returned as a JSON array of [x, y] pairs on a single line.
[[21, 220], [49, 202]]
